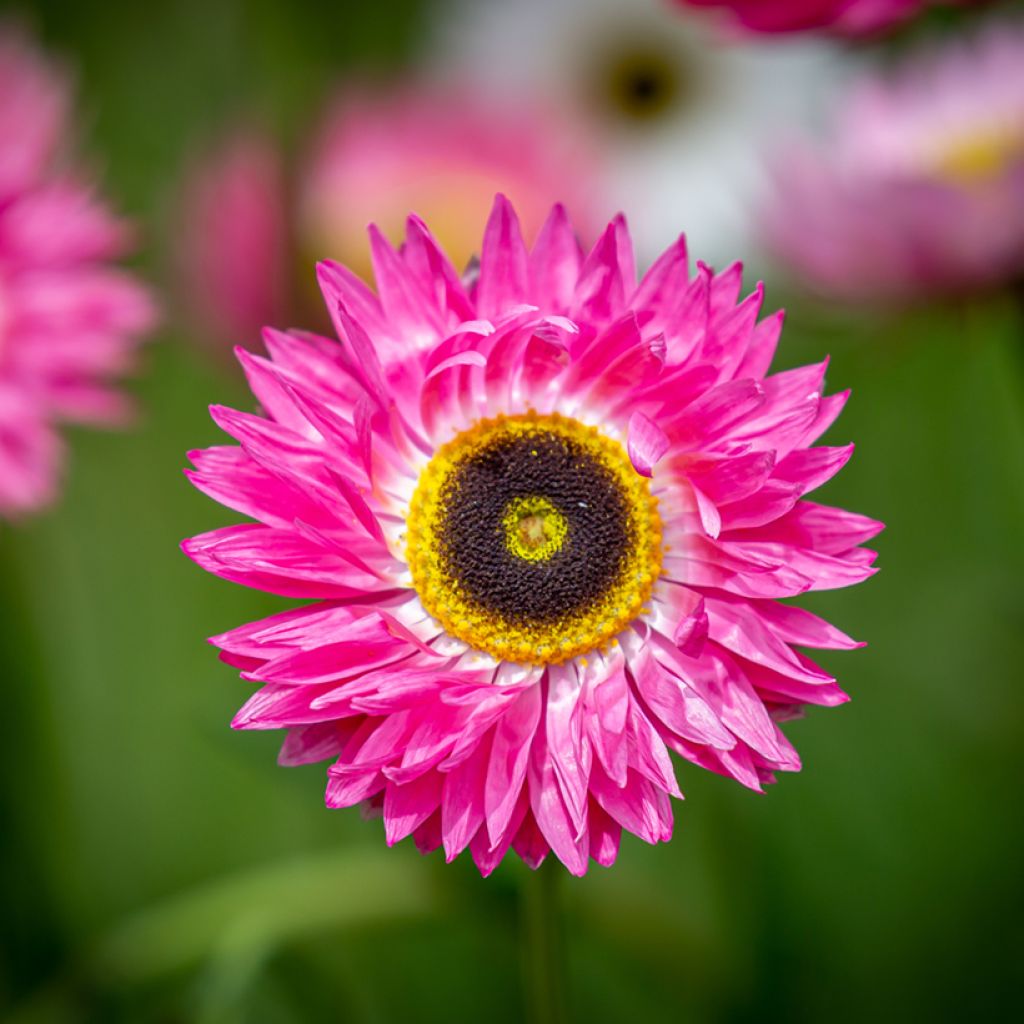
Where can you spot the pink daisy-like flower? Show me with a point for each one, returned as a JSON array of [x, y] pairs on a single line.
[[920, 188], [846, 17], [543, 515], [68, 320]]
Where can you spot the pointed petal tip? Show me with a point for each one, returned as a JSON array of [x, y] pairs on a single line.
[[240, 721], [646, 443], [243, 355], [324, 270], [221, 414], [501, 210]]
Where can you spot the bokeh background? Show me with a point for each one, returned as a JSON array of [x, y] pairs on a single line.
[[158, 867]]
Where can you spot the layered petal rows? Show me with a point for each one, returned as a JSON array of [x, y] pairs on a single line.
[[455, 748]]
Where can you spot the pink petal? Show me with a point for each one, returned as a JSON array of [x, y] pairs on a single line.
[[407, 807], [504, 277], [510, 753], [556, 825], [646, 443], [555, 263]]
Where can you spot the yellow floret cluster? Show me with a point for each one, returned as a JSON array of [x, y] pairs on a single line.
[[534, 530]]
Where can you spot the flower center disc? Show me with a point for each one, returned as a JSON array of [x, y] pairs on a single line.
[[977, 157], [533, 538]]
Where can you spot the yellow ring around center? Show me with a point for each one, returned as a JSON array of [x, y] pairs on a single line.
[[534, 530]]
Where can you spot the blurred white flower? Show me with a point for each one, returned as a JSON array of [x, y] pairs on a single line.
[[686, 114]]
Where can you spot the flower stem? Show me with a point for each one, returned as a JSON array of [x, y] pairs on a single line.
[[543, 945]]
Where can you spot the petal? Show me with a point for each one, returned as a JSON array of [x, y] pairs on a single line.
[[605, 278], [408, 806], [550, 813], [646, 443], [307, 744], [555, 263], [510, 753], [462, 802], [608, 706], [504, 277], [674, 702], [638, 806]]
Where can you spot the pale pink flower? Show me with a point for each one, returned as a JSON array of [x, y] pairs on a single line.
[[69, 321], [846, 17], [919, 188], [233, 250], [542, 517], [443, 150]]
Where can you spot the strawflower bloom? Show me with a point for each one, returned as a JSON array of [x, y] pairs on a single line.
[[845, 17], [69, 320], [920, 188], [542, 515]]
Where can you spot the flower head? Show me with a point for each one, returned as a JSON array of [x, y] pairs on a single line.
[[68, 320], [921, 188], [846, 17], [542, 515]]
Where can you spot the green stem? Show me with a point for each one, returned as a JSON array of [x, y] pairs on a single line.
[[543, 945]]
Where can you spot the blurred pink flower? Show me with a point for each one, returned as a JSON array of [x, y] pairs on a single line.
[[443, 151], [247, 230], [920, 187], [543, 514], [233, 240], [847, 17], [69, 321]]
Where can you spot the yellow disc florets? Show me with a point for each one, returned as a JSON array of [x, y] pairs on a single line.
[[532, 538]]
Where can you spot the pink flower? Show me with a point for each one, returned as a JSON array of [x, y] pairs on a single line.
[[68, 320], [443, 150], [233, 242], [920, 189], [541, 516], [376, 155], [847, 17]]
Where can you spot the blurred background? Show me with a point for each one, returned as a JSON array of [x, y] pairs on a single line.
[[157, 866]]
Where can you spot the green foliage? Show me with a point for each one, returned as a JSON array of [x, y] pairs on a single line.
[[158, 867]]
